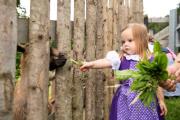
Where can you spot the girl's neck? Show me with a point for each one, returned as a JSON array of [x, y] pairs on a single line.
[[147, 54]]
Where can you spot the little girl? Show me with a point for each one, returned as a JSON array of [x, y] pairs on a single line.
[[134, 47]]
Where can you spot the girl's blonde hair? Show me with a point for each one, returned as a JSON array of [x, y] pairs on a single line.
[[140, 36]]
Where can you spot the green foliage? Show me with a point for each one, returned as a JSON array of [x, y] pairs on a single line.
[[148, 76], [156, 27], [21, 11], [18, 57], [178, 10], [17, 3], [53, 43]]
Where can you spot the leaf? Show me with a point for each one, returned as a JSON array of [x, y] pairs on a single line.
[[147, 97], [157, 47], [125, 74], [163, 75], [161, 60], [138, 86]]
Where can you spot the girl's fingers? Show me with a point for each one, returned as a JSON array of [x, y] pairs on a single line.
[[171, 85], [163, 109], [173, 88], [83, 69], [178, 75]]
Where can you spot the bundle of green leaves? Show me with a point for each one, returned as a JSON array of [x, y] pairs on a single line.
[[148, 76]]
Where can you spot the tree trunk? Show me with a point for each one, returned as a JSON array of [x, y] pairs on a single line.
[[78, 54], [63, 100], [38, 61], [8, 42], [91, 39]]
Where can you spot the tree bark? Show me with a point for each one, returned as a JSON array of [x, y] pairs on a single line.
[[8, 42], [38, 61], [63, 100], [78, 54]]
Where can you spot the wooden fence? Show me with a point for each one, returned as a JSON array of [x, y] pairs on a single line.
[[78, 96]]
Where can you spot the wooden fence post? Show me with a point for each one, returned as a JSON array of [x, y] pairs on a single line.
[[90, 55], [136, 11], [78, 54], [116, 39], [8, 42], [100, 76], [63, 99], [38, 61]]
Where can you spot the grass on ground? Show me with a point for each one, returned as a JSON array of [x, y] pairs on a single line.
[[173, 106]]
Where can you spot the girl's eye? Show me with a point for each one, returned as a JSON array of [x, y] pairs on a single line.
[[130, 40], [123, 42]]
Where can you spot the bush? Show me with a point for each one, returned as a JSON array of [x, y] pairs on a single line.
[[156, 27], [18, 57]]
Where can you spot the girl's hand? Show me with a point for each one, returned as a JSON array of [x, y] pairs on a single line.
[[163, 108], [177, 74], [169, 85], [86, 66], [177, 65]]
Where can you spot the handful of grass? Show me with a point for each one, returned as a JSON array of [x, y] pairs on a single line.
[[147, 77], [78, 63]]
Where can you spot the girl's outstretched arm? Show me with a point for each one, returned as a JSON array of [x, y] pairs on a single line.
[[97, 64]]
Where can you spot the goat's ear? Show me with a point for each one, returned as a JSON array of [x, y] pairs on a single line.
[[21, 48]]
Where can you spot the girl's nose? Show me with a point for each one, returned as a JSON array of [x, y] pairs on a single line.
[[125, 44]]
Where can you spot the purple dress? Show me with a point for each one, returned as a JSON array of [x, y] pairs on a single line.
[[121, 108]]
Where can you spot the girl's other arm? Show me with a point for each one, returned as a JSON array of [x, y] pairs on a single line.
[[162, 104]]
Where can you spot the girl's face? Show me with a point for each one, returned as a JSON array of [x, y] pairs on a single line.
[[128, 44]]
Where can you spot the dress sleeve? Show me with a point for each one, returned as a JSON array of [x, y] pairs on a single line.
[[113, 57]]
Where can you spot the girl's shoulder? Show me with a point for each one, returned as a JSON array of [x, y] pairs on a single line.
[[114, 58], [112, 55]]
